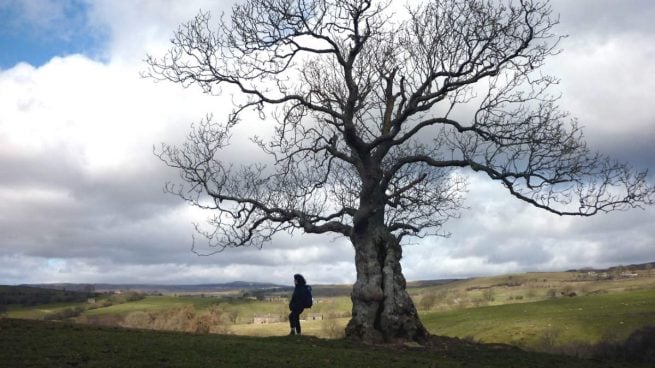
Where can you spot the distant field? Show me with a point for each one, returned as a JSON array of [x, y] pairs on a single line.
[[572, 319], [151, 303], [522, 288], [39, 311], [578, 319], [529, 310]]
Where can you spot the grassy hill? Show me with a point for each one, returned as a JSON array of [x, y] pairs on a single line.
[[540, 325], [27, 343], [524, 288], [561, 321], [564, 312]]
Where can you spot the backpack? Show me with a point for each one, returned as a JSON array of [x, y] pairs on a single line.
[[307, 300]]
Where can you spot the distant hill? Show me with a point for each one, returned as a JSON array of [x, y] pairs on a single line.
[[428, 283], [256, 288], [634, 267], [251, 288], [29, 295], [157, 288]]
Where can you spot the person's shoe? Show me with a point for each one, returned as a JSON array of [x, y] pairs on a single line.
[[293, 332]]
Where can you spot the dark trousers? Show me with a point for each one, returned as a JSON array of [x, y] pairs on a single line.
[[294, 319]]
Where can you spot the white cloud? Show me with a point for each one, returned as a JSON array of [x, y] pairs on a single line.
[[145, 26], [606, 69], [80, 190], [499, 234]]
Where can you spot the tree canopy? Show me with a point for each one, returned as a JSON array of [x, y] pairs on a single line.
[[379, 111]]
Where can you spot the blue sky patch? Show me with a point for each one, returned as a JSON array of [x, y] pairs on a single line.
[[36, 31]]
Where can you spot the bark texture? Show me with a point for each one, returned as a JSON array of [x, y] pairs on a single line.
[[382, 309]]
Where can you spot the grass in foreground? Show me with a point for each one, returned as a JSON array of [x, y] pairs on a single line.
[[50, 344]]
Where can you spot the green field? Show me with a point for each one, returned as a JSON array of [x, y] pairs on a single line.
[[40, 311], [28, 343], [531, 310], [151, 303], [586, 319]]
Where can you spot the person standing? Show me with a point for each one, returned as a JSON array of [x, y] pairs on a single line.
[[296, 304]]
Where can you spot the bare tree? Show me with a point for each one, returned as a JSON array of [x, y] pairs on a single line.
[[378, 115]]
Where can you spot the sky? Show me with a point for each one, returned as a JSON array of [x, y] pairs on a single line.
[[81, 195]]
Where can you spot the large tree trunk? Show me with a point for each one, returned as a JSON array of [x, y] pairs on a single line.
[[382, 309]]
